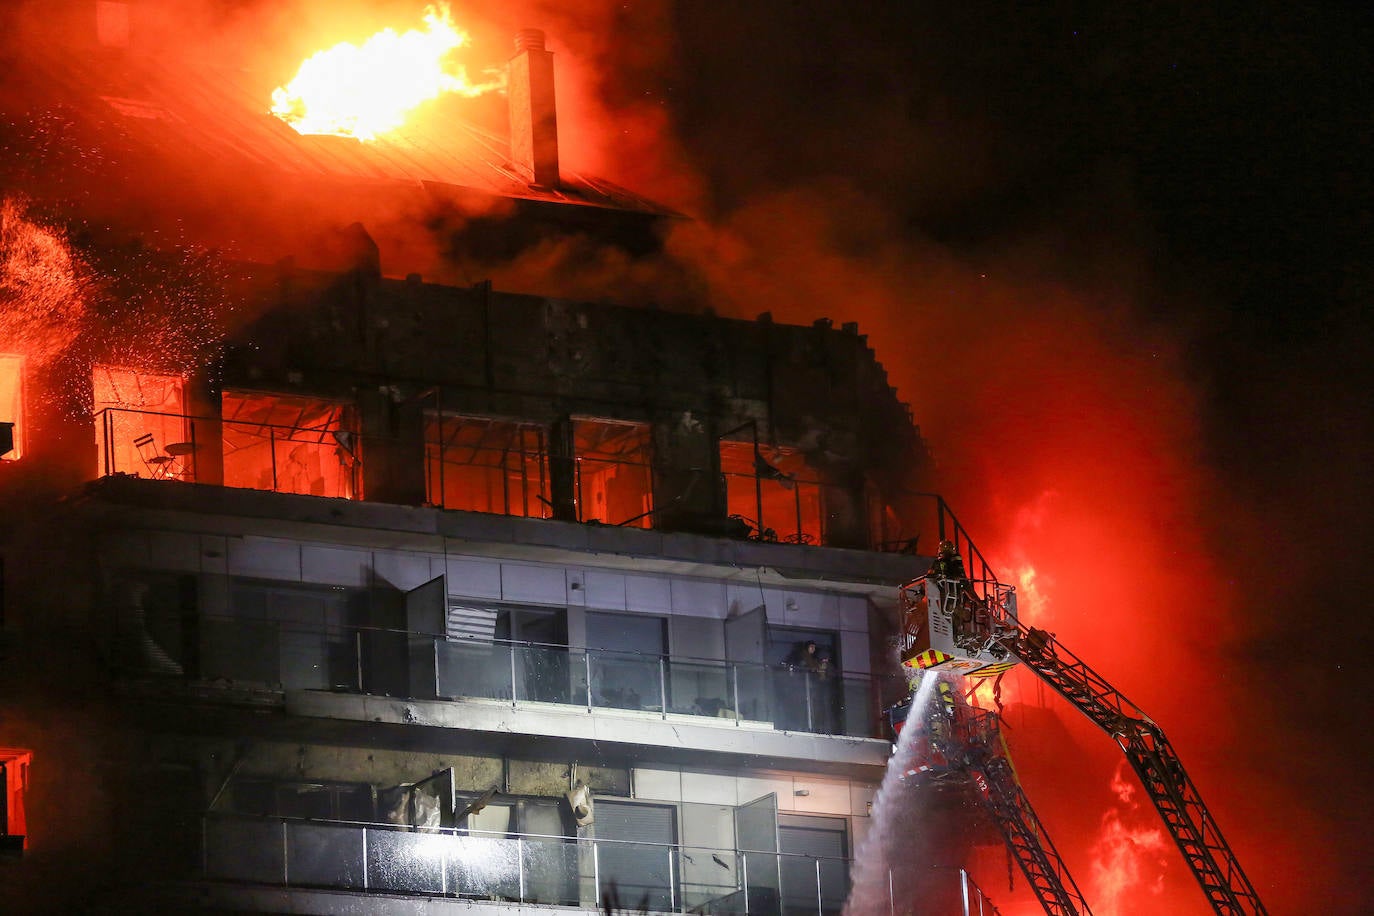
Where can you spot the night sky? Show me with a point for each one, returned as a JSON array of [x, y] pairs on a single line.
[[1117, 257]]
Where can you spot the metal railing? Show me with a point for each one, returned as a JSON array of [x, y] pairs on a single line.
[[329, 462], [257, 651], [519, 868]]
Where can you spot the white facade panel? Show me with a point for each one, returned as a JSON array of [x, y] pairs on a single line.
[[658, 785], [403, 571], [647, 593], [751, 787], [335, 565], [605, 590], [853, 612], [708, 789], [823, 796], [698, 598], [534, 584], [470, 578], [811, 610], [860, 798], [265, 558]]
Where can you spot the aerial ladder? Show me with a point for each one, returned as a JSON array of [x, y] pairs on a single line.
[[970, 627], [959, 741]]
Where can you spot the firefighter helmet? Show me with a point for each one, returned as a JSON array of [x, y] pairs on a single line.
[[946, 549]]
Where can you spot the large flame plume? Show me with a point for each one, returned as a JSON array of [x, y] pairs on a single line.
[[367, 90], [42, 289]]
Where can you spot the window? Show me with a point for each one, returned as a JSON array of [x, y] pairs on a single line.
[[772, 489], [625, 654], [12, 402], [486, 465], [614, 485], [140, 424], [290, 444], [635, 854], [815, 869]]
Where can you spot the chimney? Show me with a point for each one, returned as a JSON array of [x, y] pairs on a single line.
[[533, 122]]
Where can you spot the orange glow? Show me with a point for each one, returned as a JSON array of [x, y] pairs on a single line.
[[130, 405], [485, 465], [613, 479], [366, 90], [787, 503], [12, 401], [290, 445], [1128, 860]]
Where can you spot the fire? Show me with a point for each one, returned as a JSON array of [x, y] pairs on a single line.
[[1128, 860], [366, 90], [42, 290]]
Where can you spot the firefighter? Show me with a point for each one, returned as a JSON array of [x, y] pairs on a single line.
[[949, 567]]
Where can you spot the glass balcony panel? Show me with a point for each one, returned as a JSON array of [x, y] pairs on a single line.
[[834, 885], [304, 660], [636, 877], [621, 680], [755, 690], [486, 868], [408, 862], [761, 874], [700, 689], [239, 849], [856, 710], [707, 880], [549, 674], [472, 668], [321, 855], [550, 872]]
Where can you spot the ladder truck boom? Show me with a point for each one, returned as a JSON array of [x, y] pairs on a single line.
[[970, 627], [959, 741]]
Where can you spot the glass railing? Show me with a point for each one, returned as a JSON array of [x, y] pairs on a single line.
[[519, 868], [279, 654]]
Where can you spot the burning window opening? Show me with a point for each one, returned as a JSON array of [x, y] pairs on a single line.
[[363, 91], [614, 481], [774, 490], [290, 444], [141, 424], [14, 782], [12, 404], [486, 465]]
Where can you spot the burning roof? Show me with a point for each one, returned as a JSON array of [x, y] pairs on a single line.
[[91, 122]]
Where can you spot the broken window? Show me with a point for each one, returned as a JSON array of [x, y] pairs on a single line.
[[140, 424], [486, 465], [613, 472], [290, 444], [12, 402], [773, 490]]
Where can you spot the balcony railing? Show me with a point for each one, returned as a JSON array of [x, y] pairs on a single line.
[[519, 868], [586, 872], [483, 478], [274, 653]]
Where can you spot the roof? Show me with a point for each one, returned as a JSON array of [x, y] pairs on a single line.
[[166, 107]]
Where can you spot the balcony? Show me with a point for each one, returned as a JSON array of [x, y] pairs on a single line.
[[253, 653], [519, 868], [497, 468]]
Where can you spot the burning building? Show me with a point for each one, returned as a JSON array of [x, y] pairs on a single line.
[[329, 587]]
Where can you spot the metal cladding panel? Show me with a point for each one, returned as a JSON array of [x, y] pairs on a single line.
[[536, 584]]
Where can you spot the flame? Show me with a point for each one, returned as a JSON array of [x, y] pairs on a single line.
[[1127, 859], [365, 91]]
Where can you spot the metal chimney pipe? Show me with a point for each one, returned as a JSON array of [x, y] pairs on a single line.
[[533, 119]]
